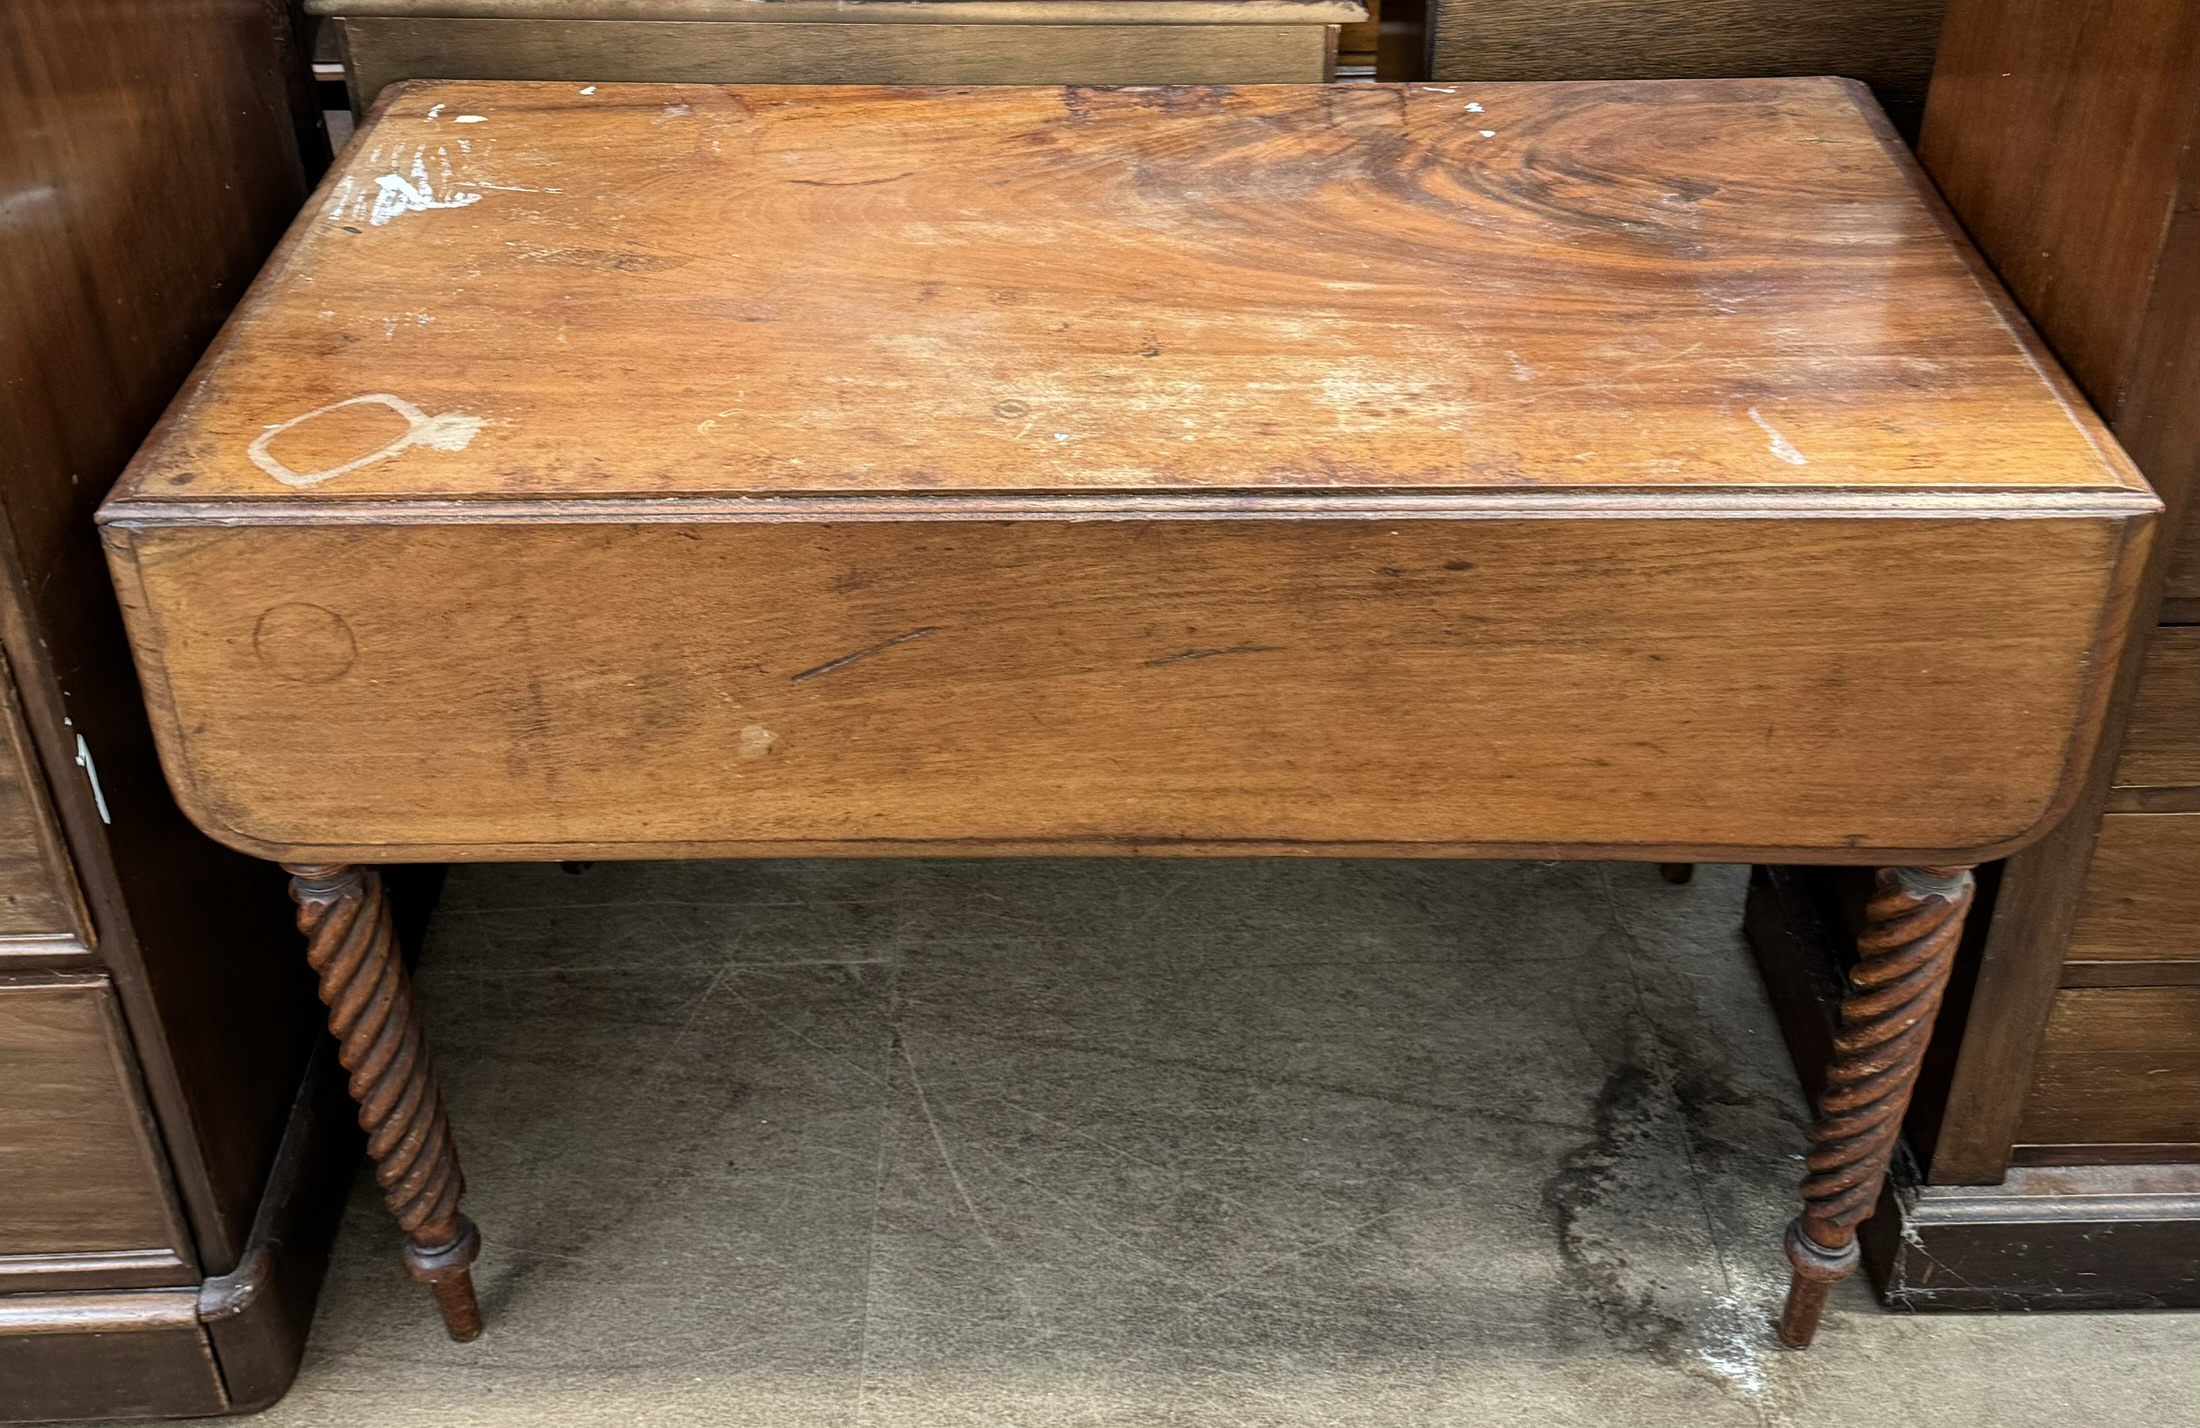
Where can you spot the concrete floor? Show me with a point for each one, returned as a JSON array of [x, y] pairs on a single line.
[[1112, 1142]]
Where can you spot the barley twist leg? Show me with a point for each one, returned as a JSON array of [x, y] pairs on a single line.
[[353, 948], [1912, 926]]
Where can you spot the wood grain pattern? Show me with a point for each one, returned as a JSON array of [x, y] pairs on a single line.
[[2031, 97], [2162, 745], [2181, 589], [2139, 904], [1658, 286], [41, 910], [381, 51], [1886, 43], [2064, 138], [1118, 685], [1631, 501], [2117, 1064], [83, 1196], [151, 161]]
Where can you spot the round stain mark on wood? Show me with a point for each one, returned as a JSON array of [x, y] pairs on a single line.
[[304, 643]]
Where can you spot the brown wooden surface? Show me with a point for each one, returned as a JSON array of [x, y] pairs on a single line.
[[2181, 590], [151, 159], [903, 12], [1886, 43], [2090, 1237], [84, 1196], [137, 1354], [1045, 595], [1140, 291], [2118, 1064], [2142, 896], [2162, 745], [2095, 1237], [2063, 135], [1113, 685], [382, 51], [41, 911]]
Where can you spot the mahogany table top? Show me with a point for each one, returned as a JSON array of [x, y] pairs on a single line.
[[531, 291]]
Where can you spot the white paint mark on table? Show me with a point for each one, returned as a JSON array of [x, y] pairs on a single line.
[[1489, 133], [472, 119], [756, 741], [1474, 108], [1776, 441], [429, 117], [590, 90], [1522, 372], [341, 199], [398, 193], [447, 431]]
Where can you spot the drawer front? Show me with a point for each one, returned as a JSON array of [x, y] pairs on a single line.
[[2141, 903], [2162, 747], [84, 1194], [2181, 594], [2119, 1066], [39, 901], [385, 49], [1117, 686]]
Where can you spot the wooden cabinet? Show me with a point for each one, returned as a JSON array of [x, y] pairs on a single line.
[[2117, 1078], [170, 1176], [41, 908], [2138, 921], [84, 1192], [1886, 43], [2063, 137], [2162, 747], [826, 42], [2181, 591]]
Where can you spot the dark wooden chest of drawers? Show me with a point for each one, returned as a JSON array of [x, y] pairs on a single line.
[[2058, 1147]]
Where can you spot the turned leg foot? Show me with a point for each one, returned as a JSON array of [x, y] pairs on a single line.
[[1904, 954], [353, 948]]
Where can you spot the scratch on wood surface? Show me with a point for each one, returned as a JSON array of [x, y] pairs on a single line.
[[1776, 441], [1211, 654], [865, 653]]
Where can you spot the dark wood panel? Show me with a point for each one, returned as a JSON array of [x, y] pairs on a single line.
[[2181, 591], [2109, 1153], [383, 51], [2142, 897], [2030, 97], [2162, 746], [2062, 134], [151, 157], [83, 1191], [2117, 1065], [121, 1355], [40, 905], [2098, 1237], [1886, 43]]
